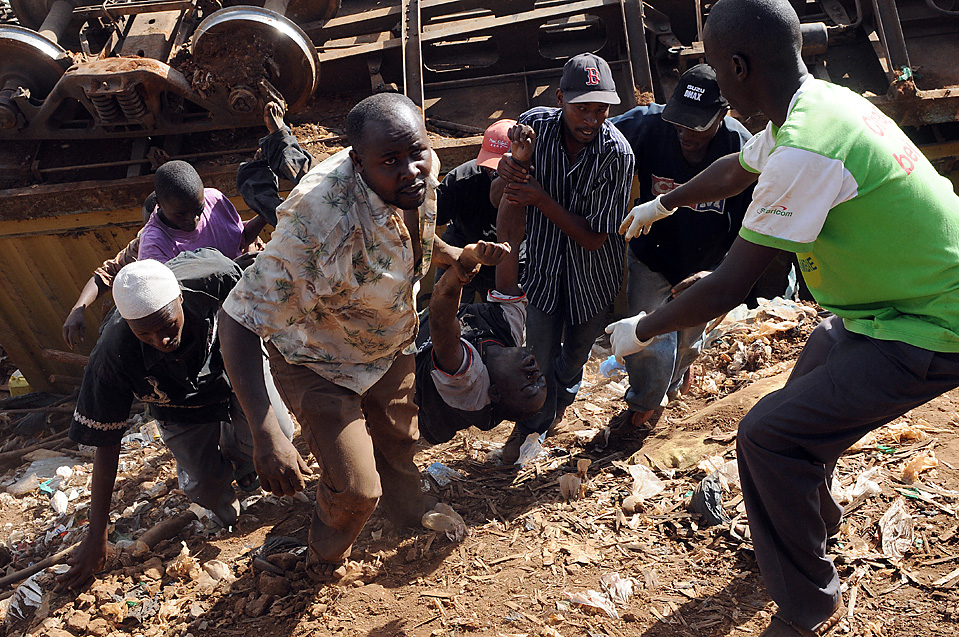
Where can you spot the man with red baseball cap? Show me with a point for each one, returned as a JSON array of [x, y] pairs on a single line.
[[463, 204]]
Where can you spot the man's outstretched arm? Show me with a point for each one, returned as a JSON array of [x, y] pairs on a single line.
[[91, 555], [445, 301], [706, 299], [722, 179]]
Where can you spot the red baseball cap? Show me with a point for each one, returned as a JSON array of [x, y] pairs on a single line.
[[495, 143]]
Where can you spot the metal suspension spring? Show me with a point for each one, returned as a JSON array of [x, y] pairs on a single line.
[[106, 107], [132, 104]]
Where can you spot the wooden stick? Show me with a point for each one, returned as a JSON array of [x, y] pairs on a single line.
[[63, 379], [18, 453], [53, 560], [65, 357], [167, 529], [49, 409]]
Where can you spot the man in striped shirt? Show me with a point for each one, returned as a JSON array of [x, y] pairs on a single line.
[[575, 194]]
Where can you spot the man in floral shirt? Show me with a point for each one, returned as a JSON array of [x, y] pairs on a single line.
[[332, 294]]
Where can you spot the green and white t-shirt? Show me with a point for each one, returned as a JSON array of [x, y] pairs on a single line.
[[875, 227]]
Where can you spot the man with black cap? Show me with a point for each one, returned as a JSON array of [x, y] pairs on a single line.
[[575, 194], [672, 144]]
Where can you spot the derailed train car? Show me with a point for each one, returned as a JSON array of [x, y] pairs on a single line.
[[94, 96]]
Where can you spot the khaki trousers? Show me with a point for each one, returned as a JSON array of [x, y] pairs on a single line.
[[364, 445]]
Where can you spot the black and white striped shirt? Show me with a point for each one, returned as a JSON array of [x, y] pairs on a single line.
[[560, 273]]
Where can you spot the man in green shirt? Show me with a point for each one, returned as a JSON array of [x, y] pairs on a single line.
[[876, 231]]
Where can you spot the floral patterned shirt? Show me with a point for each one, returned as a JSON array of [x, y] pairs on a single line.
[[333, 289]]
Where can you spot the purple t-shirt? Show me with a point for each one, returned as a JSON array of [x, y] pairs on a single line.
[[219, 227]]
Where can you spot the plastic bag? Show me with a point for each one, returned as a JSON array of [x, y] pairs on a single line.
[[445, 520], [619, 589], [645, 482], [530, 448], [920, 463], [896, 526], [864, 487], [611, 368], [707, 501], [593, 601], [443, 474]]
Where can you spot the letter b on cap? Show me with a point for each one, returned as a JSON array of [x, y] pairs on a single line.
[[592, 76]]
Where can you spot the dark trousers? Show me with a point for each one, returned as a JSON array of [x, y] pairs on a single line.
[[844, 385], [561, 349], [364, 445], [205, 454]]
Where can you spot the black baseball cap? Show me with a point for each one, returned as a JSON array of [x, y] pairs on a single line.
[[696, 102], [587, 78]]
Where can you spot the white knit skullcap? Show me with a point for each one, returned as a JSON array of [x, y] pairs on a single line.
[[143, 287]]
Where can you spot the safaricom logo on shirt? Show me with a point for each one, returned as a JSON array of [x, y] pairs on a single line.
[[776, 210]]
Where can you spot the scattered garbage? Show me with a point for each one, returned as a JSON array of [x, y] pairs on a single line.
[[707, 501], [896, 527], [650, 534], [593, 602], [445, 520], [922, 462], [645, 483], [612, 368], [864, 487], [59, 502], [726, 471], [219, 571], [443, 474], [769, 317], [572, 486], [530, 449], [184, 566], [617, 588], [42, 468], [569, 486]]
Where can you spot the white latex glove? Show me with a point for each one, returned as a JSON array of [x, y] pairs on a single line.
[[641, 218], [623, 337]]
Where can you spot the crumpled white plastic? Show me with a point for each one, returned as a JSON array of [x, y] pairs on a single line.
[[896, 526], [619, 589], [645, 482], [445, 520], [593, 600]]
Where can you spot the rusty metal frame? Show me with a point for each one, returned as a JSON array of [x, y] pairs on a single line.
[[905, 102], [151, 83], [344, 43], [412, 52]]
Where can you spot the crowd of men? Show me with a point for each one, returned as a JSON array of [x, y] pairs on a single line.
[[224, 342]]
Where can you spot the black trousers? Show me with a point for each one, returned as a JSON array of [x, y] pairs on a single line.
[[844, 385]]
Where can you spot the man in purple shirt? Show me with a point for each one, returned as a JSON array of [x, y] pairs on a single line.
[[189, 216]]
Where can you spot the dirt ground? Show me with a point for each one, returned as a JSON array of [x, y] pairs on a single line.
[[528, 549]]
